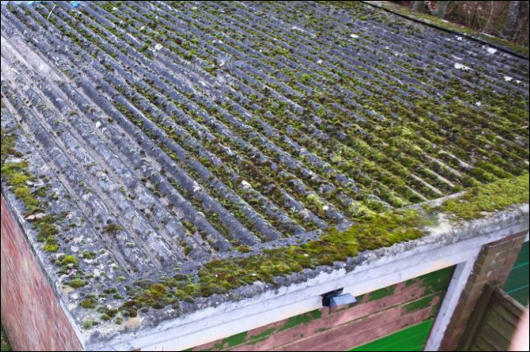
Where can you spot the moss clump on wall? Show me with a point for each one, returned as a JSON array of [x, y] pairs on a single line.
[[4, 342]]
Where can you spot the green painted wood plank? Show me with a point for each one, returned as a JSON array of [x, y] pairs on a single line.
[[518, 277], [437, 280], [521, 295], [518, 281], [523, 257], [412, 338]]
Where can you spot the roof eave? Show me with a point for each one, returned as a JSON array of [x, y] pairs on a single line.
[[369, 271]]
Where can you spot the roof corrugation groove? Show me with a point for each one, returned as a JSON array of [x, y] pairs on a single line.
[[173, 133]]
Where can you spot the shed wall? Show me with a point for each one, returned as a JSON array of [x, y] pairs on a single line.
[[517, 283], [492, 267], [375, 315], [31, 313]]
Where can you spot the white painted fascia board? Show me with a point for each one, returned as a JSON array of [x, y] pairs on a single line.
[[436, 251]]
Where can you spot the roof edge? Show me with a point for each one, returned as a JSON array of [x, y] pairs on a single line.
[[435, 22], [371, 270], [283, 266]]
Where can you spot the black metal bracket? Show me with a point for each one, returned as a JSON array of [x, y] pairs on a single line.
[[326, 297]]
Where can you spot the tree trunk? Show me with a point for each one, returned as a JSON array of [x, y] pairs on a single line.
[[489, 27], [419, 6], [441, 8], [511, 19]]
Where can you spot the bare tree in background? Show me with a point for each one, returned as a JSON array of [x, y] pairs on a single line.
[[512, 18], [427, 7], [488, 27], [505, 19], [420, 6], [441, 8]]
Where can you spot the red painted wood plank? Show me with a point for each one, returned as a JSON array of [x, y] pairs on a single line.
[[402, 294], [360, 332]]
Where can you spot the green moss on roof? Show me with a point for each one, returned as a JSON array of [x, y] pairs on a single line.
[[369, 232], [112, 228], [76, 283], [16, 175], [488, 198], [378, 143], [89, 302]]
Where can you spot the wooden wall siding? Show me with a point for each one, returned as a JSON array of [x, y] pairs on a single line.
[[412, 338], [494, 322], [376, 314], [517, 283], [492, 266], [31, 314]]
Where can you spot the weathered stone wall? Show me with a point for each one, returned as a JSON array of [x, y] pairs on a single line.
[[31, 313], [375, 315]]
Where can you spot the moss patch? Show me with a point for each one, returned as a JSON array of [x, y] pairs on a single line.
[[488, 198], [68, 259], [369, 232], [112, 228], [4, 342], [89, 302]]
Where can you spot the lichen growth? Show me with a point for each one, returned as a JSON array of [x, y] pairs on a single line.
[[112, 228]]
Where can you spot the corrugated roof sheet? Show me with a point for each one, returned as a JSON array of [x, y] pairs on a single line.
[[162, 135]]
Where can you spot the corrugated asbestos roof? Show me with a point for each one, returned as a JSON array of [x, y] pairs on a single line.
[[158, 136]]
